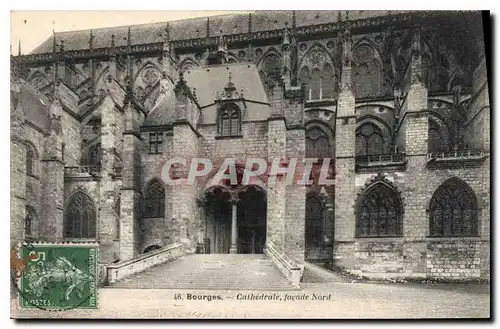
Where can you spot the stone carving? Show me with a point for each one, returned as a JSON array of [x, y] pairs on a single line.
[[39, 82], [363, 54], [316, 59], [150, 75]]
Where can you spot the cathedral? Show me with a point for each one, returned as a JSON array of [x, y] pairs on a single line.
[[397, 100]]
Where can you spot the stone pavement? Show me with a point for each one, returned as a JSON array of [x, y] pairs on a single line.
[[333, 300], [214, 271]]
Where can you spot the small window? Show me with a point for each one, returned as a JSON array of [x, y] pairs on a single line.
[[30, 160], [155, 142], [229, 121]]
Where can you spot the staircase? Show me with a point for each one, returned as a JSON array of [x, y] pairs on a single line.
[[216, 271]]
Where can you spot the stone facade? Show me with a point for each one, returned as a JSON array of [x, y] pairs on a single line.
[[99, 122]]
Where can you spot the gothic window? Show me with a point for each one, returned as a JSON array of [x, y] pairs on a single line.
[[155, 142], [30, 160], [29, 221], [80, 219], [319, 84], [366, 72], [270, 72], [229, 123], [379, 212], [154, 202], [437, 142], [369, 140], [314, 220], [95, 155], [317, 145], [453, 210]]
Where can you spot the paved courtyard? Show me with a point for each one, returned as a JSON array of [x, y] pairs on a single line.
[[324, 300]]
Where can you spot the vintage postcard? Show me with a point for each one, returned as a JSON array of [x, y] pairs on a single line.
[[261, 164]]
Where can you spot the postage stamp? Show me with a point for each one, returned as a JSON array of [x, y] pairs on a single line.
[[58, 276]]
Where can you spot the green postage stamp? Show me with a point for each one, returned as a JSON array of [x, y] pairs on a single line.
[[59, 276]]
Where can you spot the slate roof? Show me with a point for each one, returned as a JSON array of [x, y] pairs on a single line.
[[36, 107], [211, 80], [197, 28]]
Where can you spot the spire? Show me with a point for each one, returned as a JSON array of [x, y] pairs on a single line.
[[346, 79], [91, 40], [54, 42], [167, 32], [129, 38], [229, 90], [208, 27], [113, 40], [19, 48]]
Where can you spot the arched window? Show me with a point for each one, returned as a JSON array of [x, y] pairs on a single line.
[[80, 219], [154, 201], [379, 212], [319, 84], [437, 140], [270, 72], [29, 221], [314, 220], [317, 144], [30, 160], [369, 140], [453, 210], [229, 123], [366, 72]]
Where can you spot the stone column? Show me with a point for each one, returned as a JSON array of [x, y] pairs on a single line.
[[234, 227]]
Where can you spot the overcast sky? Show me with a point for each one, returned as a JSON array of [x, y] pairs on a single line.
[[34, 27]]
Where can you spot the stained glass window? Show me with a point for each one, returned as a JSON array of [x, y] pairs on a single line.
[[379, 212], [80, 219], [154, 202], [453, 210]]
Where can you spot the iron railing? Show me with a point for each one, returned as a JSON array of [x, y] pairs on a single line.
[[380, 159], [455, 155]]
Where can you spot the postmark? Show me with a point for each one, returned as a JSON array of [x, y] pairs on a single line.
[[58, 276]]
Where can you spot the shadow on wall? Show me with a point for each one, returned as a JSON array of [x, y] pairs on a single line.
[[151, 248]]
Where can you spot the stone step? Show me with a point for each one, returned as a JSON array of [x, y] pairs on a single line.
[[214, 271]]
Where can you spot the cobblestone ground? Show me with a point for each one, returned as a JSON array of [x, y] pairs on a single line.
[[341, 300]]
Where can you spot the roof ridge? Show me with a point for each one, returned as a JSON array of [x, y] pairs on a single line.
[[153, 23]]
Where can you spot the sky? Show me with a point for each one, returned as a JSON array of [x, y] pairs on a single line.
[[34, 27]]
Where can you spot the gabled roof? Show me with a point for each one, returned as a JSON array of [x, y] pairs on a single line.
[[36, 106], [197, 28]]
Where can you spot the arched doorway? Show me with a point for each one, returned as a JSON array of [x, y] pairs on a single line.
[[244, 205], [252, 221]]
